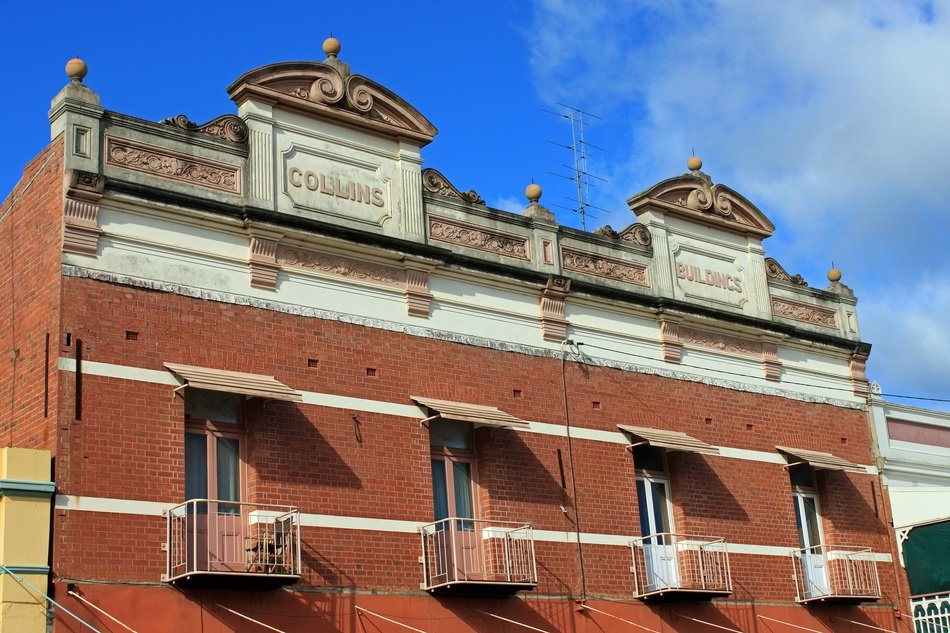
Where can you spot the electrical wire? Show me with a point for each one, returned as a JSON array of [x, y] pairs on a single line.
[[570, 458]]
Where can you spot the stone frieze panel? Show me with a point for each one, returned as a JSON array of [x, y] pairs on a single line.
[[805, 313], [480, 238], [166, 163], [606, 267]]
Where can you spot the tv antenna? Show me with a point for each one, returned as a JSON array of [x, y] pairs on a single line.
[[579, 150]]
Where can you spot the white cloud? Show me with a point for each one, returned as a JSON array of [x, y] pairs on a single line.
[[509, 203], [830, 116]]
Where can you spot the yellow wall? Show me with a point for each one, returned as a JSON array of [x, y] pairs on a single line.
[[25, 497]]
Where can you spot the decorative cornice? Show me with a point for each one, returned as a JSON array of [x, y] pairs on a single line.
[[477, 237], [607, 267], [445, 335], [774, 270], [165, 163], [434, 182], [81, 213], [227, 127], [804, 313], [26, 488], [341, 267], [553, 323]]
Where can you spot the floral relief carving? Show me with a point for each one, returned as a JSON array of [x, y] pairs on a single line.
[[604, 267], [168, 164], [720, 342], [805, 313], [479, 238], [340, 266]]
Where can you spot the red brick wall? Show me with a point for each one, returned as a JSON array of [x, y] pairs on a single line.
[[130, 445], [30, 244]]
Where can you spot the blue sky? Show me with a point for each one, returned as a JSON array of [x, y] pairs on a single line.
[[832, 117]]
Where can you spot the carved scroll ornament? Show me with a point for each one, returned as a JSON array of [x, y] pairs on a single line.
[[696, 197], [226, 126], [434, 182], [635, 233], [774, 270]]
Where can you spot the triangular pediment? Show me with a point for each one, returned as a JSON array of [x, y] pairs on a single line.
[[328, 90], [694, 197]]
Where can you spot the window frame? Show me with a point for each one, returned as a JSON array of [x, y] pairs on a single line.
[[213, 430]]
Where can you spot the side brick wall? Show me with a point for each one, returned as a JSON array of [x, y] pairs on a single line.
[[30, 246]]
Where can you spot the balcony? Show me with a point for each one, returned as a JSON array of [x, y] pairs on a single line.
[[225, 542], [475, 556], [834, 573], [670, 566], [931, 613]]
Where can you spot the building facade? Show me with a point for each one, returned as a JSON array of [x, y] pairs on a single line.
[[914, 460], [293, 381]]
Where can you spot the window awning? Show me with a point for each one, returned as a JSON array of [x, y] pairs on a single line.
[[477, 414], [818, 460], [234, 382], [670, 440]]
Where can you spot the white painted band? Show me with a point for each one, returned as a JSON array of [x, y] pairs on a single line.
[[405, 410], [153, 508]]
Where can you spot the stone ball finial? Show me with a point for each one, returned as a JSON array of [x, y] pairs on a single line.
[[533, 192], [694, 163], [834, 275], [331, 46], [76, 69]]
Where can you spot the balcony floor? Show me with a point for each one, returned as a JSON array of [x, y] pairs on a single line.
[[681, 595], [838, 599], [480, 588], [233, 580]]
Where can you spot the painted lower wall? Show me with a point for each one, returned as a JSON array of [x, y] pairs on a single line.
[[148, 609]]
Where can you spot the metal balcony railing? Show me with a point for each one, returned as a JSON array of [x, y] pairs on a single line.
[[226, 538], [665, 564], [835, 573], [472, 552], [931, 613]]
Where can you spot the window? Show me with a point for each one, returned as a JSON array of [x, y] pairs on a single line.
[[214, 443], [453, 470], [808, 526], [460, 553], [653, 492]]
